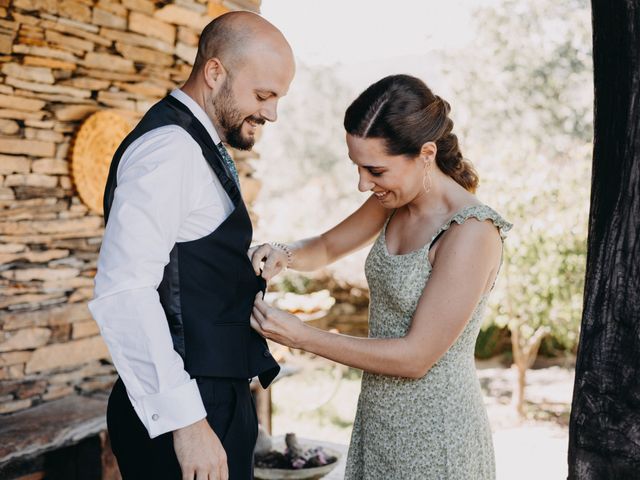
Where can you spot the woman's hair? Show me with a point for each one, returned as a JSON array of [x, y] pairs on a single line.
[[404, 112]]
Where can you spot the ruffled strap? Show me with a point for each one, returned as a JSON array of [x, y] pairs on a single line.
[[480, 212]]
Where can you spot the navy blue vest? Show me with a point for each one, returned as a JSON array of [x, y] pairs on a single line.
[[208, 287]]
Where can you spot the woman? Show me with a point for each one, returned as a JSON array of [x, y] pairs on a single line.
[[435, 259]]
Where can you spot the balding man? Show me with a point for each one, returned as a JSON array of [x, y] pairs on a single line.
[[175, 287]]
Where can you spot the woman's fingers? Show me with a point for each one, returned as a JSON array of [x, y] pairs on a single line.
[[260, 304], [259, 254], [260, 317], [271, 267], [255, 325], [257, 320], [274, 259]]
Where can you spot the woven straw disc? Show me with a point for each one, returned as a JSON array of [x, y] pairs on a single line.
[[97, 140]]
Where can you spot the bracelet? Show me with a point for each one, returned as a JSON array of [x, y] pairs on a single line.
[[285, 249]]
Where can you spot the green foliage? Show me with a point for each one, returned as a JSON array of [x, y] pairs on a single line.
[[527, 80], [294, 283], [523, 104], [492, 340], [542, 278]]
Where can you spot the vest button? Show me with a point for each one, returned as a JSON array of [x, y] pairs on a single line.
[[266, 353]]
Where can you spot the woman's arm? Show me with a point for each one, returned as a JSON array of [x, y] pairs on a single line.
[[353, 233], [463, 271]]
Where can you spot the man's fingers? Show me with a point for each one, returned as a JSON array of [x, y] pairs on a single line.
[[200, 474], [212, 473], [224, 471], [187, 474]]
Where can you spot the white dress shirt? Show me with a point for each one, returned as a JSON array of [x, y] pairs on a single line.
[[166, 193]]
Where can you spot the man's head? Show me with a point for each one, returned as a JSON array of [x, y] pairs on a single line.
[[244, 65]]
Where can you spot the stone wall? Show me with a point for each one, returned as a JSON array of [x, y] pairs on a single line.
[[61, 61]]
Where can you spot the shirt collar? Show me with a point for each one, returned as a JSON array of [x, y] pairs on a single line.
[[198, 112]]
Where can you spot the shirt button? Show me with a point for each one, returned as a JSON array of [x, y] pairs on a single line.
[[155, 417], [267, 353]]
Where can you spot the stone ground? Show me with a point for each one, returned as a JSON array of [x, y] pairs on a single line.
[[535, 447], [319, 402]]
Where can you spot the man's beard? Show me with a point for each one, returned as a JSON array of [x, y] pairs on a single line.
[[231, 120]]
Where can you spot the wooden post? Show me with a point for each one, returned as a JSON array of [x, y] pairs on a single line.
[[604, 432], [263, 407]]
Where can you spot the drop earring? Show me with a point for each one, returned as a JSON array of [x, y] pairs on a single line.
[[426, 179]]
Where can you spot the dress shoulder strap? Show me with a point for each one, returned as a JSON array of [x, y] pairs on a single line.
[[483, 212], [480, 212], [386, 222]]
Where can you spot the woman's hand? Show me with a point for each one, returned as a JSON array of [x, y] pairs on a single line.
[[277, 325], [275, 260]]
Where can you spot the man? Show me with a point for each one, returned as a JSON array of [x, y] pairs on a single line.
[[175, 287]]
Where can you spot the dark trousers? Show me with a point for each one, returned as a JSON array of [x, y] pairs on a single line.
[[230, 412]]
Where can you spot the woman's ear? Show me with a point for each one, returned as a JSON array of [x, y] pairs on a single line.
[[428, 151]]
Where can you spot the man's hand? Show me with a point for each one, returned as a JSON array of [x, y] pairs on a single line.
[[200, 453]]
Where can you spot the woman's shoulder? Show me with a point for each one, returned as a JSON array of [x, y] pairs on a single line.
[[474, 235], [483, 213]]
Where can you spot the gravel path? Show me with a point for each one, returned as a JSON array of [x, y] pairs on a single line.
[[534, 448]]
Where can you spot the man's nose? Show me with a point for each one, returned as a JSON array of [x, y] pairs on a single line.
[[270, 111]]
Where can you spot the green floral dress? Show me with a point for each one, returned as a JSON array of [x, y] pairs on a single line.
[[435, 427]]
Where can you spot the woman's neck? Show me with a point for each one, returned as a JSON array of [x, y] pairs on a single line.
[[443, 198]]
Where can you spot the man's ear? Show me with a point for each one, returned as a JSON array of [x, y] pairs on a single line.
[[214, 73]]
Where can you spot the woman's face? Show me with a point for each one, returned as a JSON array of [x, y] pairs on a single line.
[[394, 179]]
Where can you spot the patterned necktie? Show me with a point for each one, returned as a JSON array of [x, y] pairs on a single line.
[[229, 163]]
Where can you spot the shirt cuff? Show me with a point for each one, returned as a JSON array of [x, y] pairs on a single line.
[[170, 410]]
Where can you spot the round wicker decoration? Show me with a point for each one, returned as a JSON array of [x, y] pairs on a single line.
[[94, 146]]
